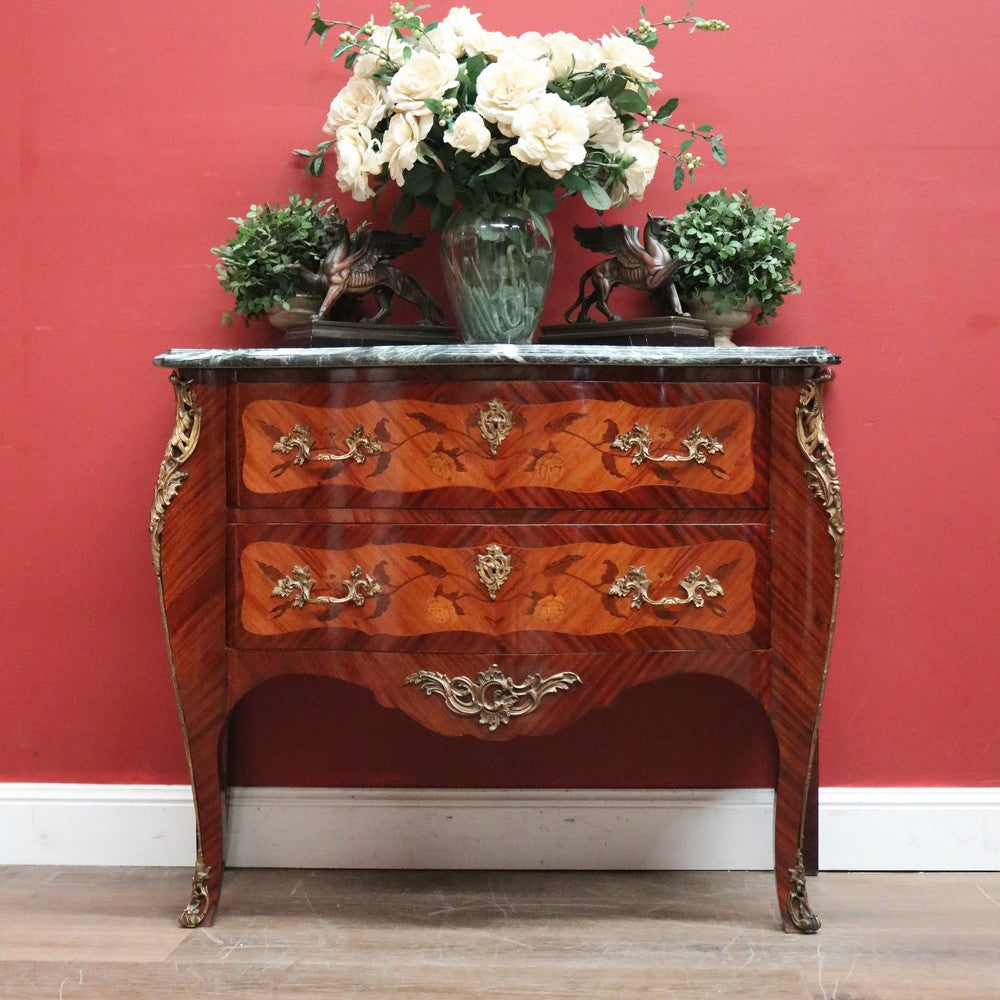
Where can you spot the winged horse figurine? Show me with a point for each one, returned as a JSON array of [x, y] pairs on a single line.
[[643, 263], [357, 265]]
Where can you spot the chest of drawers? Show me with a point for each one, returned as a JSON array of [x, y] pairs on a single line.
[[496, 541]]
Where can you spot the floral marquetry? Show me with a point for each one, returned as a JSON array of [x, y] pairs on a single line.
[[579, 448], [419, 588]]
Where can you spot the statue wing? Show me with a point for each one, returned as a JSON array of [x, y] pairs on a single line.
[[621, 241], [372, 246]]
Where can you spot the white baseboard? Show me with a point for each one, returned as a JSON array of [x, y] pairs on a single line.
[[505, 829], [57, 824], [868, 829], [909, 829]]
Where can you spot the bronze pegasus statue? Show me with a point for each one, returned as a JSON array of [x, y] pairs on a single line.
[[643, 263], [356, 265]]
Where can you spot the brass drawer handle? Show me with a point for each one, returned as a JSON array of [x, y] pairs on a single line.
[[493, 696], [637, 583], [299, 584], [359, 446], [495, 423], [640, 439], [493, 567]]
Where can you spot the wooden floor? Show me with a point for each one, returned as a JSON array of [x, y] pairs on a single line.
[[111, 933]]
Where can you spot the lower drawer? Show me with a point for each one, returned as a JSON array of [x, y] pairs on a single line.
[[493, 588]]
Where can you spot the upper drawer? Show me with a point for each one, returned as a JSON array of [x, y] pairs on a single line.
[[493, 444]]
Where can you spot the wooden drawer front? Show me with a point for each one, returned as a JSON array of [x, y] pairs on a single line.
[[515, 444], [494, 589]]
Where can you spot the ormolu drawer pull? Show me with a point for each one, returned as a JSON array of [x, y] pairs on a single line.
[[359, 446], [495, 423], [299, 584], [640, 439], [637, 583], [493, 696]]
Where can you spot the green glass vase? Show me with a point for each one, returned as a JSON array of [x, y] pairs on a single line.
[[497, 263]]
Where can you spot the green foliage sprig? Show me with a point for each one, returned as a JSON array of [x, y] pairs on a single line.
[[738, 251], [260, 266]]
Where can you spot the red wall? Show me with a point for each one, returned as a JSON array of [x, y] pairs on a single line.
[[131, 133]]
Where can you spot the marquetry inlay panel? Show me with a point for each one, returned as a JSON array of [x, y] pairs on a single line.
[[423, 589], [595, 447]]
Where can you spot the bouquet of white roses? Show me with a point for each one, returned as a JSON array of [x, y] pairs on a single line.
[[450, 111]]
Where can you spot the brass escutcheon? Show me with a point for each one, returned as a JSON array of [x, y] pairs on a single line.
[[493, 568], [495, 423]]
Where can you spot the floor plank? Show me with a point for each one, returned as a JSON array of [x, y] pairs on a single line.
[[112, 934]]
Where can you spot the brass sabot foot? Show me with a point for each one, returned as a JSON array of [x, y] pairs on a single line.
[[802, 917], [196, 911]]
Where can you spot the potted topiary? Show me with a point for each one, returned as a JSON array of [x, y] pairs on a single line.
[[734, 257], [262, 265]]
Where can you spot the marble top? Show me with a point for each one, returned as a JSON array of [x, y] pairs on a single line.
[[514, 354]]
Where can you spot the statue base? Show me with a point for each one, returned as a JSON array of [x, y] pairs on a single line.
[[337, 333], [656, 331]]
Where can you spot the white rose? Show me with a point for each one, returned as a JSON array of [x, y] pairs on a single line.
[[507, 85], [569, 54], [622, 53], [402, 137], [383, 50], [469, 132], [638, 174], [492, 44], [606, 129], [457, 34], [551, 134], [442, 41], [361, 102], [462, 21], [532, 45], [357, 161], [424, 76]]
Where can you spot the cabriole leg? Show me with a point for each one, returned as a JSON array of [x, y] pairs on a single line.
[[187, 529]]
